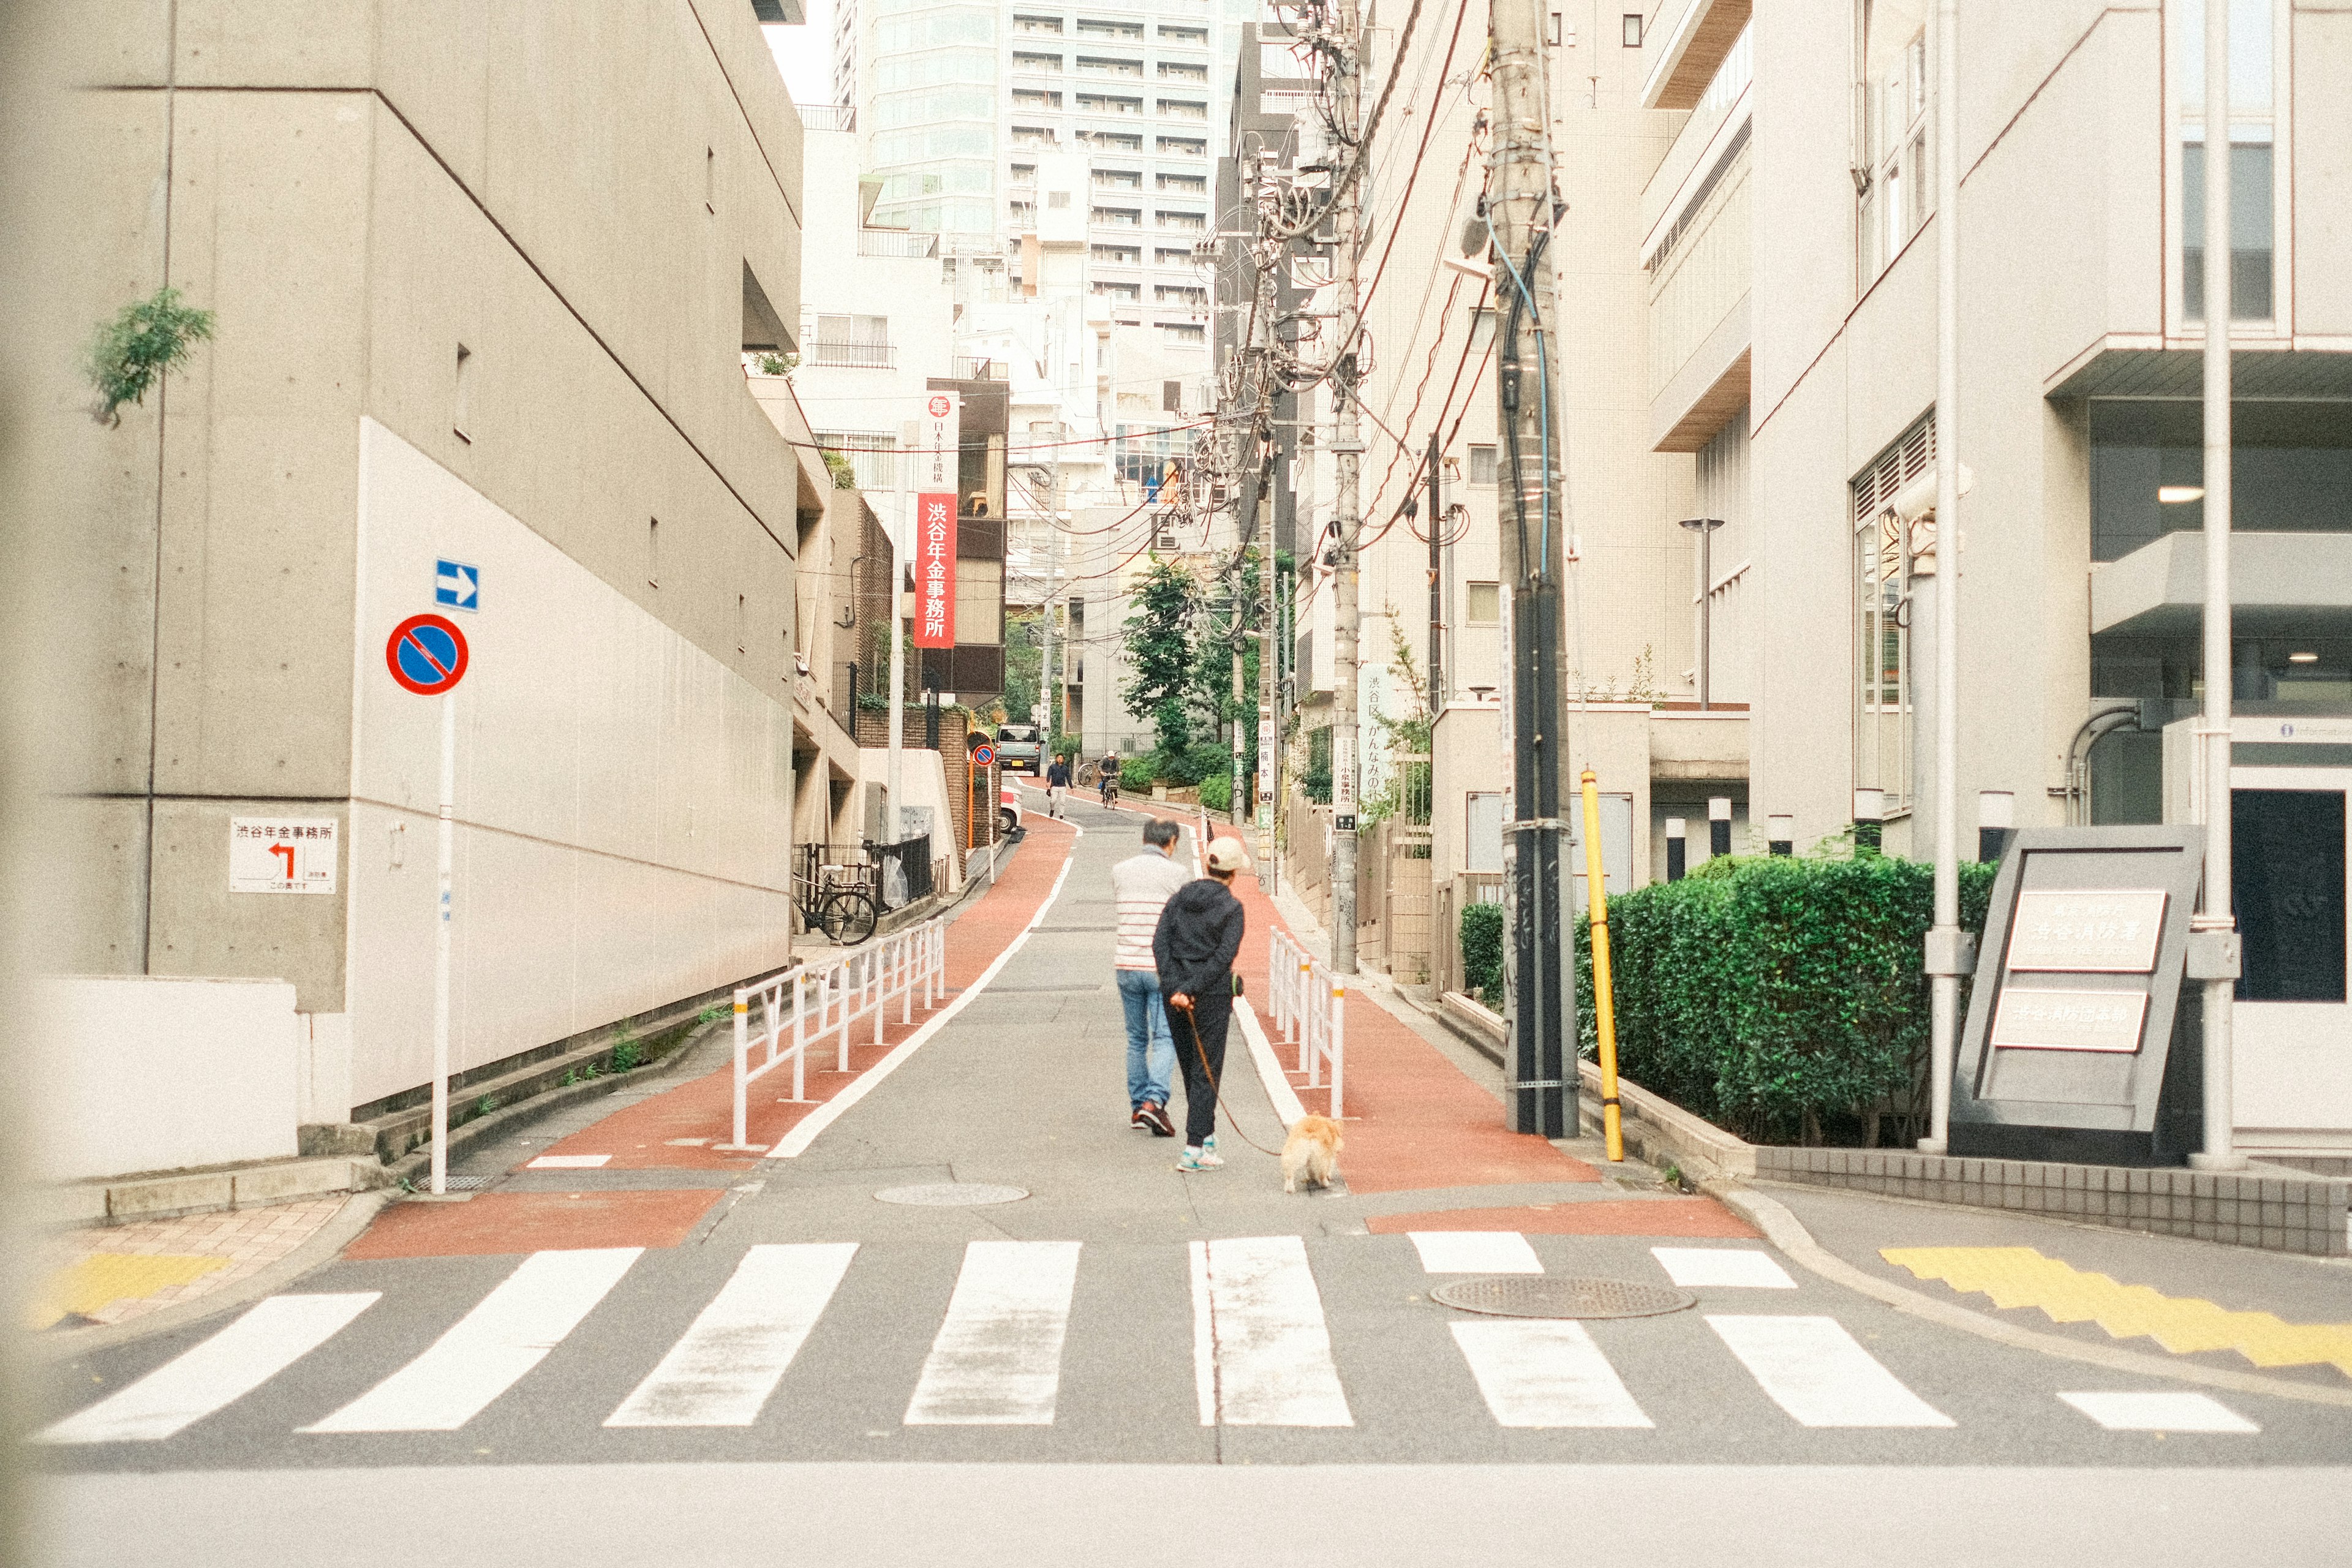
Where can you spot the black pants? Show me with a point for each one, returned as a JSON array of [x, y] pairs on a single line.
[[1208, 1020]]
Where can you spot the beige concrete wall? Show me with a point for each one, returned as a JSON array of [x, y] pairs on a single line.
[[2322, 42], [356, 189], [2062, 244]]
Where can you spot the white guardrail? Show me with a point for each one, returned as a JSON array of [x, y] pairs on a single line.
[[826, 995], [1309, 1006]]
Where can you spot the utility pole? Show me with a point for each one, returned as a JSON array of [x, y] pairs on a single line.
[[1540, 989], [1347, 445], [2213, 930], [1436, 589]]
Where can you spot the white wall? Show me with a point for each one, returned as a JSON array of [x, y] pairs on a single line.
[[922, 786], [141, 1075], [623, 800]]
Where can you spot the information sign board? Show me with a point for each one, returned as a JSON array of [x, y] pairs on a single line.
[[2086, 930], [935, 569], [2039, 1020], [281, 855]]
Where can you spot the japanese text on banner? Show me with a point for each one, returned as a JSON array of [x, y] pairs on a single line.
[[935, 570]]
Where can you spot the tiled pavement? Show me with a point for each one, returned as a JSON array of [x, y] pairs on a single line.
[[111, 1274]]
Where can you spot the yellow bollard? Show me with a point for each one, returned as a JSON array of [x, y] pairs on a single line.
[[1604, 1001]]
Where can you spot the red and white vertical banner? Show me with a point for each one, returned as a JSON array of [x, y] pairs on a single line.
[[938, 449], [935, 569]]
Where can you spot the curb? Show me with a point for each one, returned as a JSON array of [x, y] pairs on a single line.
[[523, 1112], [1785, 1231], [320, 1247]]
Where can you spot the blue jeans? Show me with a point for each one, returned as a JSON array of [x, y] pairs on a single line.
[[1151, 1052]]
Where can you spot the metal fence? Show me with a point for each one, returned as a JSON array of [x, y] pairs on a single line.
[[819, 868], [906, 870], [811, 1000], [1308, 1004]]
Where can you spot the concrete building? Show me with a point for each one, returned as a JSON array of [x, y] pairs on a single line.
[[482, 302], [958, 106], [1788, 231]]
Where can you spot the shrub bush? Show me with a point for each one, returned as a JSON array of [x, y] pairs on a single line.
[[1767, 993], [1217, 792], [1482, 953], [1138, 774]]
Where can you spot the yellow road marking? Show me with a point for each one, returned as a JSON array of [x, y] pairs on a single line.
[[93, 1281], [2021, 1277]]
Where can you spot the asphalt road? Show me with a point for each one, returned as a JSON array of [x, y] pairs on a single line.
[[1132, 1363]]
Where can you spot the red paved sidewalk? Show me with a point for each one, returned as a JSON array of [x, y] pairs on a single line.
[[675, 1129], [1414, 1119]]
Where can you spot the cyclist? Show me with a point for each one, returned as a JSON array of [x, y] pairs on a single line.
[[1108, 770]]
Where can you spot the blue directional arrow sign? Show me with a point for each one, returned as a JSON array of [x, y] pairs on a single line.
[[456, 585]]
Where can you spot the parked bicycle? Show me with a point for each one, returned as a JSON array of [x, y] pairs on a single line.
[[836, 897]]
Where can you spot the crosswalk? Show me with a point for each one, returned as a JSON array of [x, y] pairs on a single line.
[[1263, 1349]]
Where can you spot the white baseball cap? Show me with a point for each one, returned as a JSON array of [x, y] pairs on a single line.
[[1225, 855]]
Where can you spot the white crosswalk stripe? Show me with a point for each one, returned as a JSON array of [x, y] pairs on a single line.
[[2159, 1411], [998, 1358], [264, 1342], [490, 1348], [1262, 1350], [1475, 1252], [728, 1363], [1739, 1267], [1543, 1371], [1818, 1374]]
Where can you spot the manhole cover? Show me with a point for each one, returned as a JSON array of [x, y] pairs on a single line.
[[952, 1195], [1527, 1296]]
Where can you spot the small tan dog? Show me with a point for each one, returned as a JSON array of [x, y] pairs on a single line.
[[1312, 1150]]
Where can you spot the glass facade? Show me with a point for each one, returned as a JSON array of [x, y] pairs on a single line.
[[2291, 470], [2253, 161]]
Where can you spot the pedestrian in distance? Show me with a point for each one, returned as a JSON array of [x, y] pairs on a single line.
[[1200, 931], [1142, 885], [1057, 785]]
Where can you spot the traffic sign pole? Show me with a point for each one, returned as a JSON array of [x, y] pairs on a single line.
[[441, 945], [427, 656]]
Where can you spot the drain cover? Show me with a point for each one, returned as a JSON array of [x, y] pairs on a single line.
[[952, 1195], [1546, 1296], [468, 1184]]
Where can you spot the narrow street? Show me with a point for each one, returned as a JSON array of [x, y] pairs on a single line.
[[623, 1306]]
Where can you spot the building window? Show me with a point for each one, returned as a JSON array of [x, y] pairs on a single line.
[[873, 455], [1197, 183], [1482, 603], [857, 343], [461, 417], [1632, 29], [1184, 333], [1482, 465], [1057, 201], [1176, 109], [2253, 159], [1892, 140], [1883, 551], [1184, 146]]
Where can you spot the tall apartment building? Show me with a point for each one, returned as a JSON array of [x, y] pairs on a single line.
[[956, 104]]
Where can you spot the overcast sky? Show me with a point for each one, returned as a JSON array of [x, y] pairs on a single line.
[[806, 54]]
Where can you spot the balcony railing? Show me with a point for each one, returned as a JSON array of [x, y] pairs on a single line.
[[893, 243], [849, 356], [969, 368]]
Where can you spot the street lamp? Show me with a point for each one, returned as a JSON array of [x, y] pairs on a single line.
[[1705, 528]]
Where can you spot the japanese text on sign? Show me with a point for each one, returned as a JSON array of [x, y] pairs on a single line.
[[935, 571], [2068, 1020], [2087, 930], [273, 855]]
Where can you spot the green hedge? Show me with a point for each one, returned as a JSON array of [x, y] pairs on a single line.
[[1217, 792], [1137, 774], [1482, 954], [1770, 995]]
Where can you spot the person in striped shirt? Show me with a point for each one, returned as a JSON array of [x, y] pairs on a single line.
[[1142, 885]]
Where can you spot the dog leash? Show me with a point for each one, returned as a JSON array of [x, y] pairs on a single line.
[[1218, 1090]]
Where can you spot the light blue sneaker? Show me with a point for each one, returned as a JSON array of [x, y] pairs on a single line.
[[1209, 1147], [1201, 1159]]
